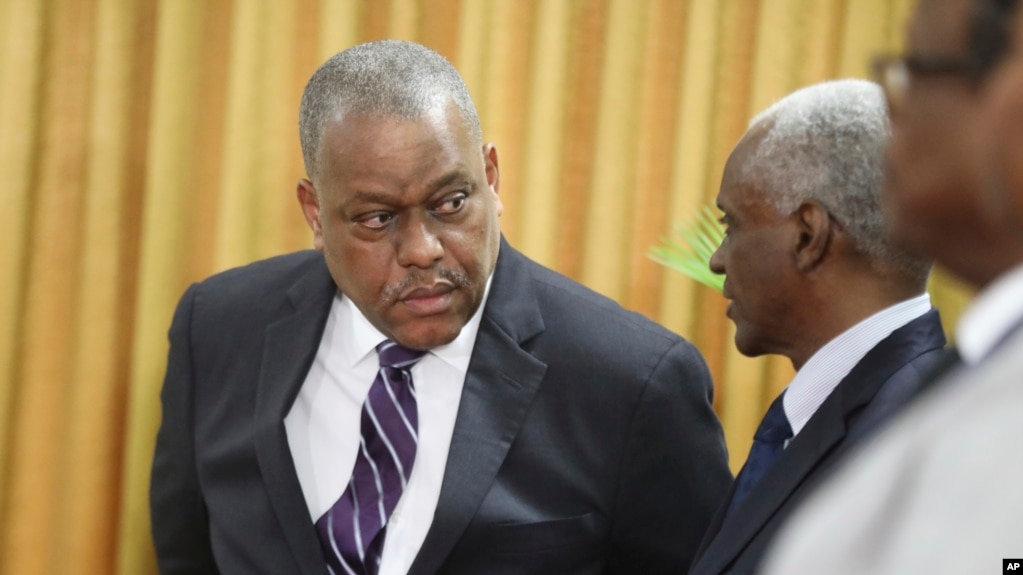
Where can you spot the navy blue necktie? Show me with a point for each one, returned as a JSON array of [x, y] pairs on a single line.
[[768, 443], [352, 532]]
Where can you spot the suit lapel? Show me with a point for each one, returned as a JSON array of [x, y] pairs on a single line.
[[499, 388], [289, 348], [819, 438]]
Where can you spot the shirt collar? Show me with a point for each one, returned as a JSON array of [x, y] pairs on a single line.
[[362, 337], [995, 311], [828, 367]]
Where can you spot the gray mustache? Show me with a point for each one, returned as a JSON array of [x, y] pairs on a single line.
[[459, 279]]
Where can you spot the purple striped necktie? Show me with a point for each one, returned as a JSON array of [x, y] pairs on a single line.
[[352, 531]]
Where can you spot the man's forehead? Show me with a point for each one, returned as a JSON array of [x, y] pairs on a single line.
[[740, 196], [939, 26], [740, 161], [366, 134]]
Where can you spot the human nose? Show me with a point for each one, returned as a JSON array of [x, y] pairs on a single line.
[[419, 245], [716, 262]]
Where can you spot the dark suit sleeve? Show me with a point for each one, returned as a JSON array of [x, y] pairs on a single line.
[[675, 471], [179, 520]]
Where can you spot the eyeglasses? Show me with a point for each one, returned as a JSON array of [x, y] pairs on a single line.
[[895, 73]]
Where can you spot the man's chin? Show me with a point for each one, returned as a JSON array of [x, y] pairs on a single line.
[[746, 345], [428, 333]]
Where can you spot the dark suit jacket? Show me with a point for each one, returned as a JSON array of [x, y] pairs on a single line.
[[584, 442], [880, 384]]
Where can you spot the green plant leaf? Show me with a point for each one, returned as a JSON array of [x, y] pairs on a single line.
[[689, 250]]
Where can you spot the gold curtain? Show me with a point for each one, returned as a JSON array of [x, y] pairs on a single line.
[[146, 144]]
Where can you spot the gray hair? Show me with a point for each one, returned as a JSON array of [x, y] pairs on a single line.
[[825, 143], [387, 79]]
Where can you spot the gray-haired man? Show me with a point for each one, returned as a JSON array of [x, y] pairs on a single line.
[[811, 276], [938, 490]]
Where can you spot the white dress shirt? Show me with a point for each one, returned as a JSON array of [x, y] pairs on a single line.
[[994, 312], [819, 376], [323, 425]]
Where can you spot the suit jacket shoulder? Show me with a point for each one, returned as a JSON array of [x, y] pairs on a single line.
[[262, 285], [583, 319], [223, 483]]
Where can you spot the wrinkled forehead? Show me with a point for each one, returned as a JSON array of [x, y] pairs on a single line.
[[367, 152], [370, 133]]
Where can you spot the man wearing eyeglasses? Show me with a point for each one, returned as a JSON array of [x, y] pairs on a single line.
[[938, 492], [936, 91]]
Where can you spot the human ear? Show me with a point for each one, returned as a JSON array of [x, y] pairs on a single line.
[[493, 174], [815, 231], [310, 205]]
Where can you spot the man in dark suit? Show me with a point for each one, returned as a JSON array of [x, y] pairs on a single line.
[[509, 421], [811, 276], [941, 483]]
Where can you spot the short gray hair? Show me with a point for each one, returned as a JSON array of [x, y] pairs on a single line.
[[825, 143], [388, 79]]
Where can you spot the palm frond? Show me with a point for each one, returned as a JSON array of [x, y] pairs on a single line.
[[689, 250]]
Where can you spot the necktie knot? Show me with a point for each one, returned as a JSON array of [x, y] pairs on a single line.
[[398, 356], [775, 427]]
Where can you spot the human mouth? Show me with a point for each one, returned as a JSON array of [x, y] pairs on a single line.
[[428, 300]]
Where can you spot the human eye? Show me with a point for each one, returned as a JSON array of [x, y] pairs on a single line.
[[375, 220], [451, 204]]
